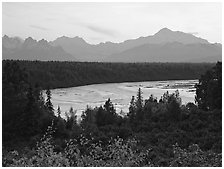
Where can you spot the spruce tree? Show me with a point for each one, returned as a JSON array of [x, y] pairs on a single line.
[[59, 111], [71, 119], [48, 103], [139, 101], [109, 107], [132, 109], [139, 106], [110, 112], [28, 120]]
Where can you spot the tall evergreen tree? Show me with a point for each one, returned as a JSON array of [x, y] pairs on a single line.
[[59, 111], [28, 125], [109, 106], [132, 110], [71, 119], [139, 100], [48, 103], [139, 106], [88, 117]]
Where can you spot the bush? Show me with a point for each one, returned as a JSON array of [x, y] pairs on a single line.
[[194, 157], [117, 153]]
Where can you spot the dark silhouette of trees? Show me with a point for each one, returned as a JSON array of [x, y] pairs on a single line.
[[70, 74], [157, 125], [173, 103], [139, 106], [23, 111], [14, 98], [109, 107], [28, 124], [110, 110], [59, 111], [209, 89], [71, 119], [150, 107], [163, 124], [136, 113], [139, 100], [48, 103], [88, 118], [132, 111]]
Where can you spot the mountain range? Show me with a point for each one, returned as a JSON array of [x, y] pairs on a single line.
[[164, 46]]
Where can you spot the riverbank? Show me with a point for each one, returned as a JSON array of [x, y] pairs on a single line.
[[119, 93]]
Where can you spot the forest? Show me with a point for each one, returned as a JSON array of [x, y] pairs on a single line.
[[53, 74], [153, 133]]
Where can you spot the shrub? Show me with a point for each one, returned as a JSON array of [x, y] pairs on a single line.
[[117, 153], [194, 157]]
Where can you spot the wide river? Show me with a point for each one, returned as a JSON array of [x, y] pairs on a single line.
[[119, 93]]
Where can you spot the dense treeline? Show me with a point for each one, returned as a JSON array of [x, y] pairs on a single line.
[[70, 74], [153, 133], [209, 89]]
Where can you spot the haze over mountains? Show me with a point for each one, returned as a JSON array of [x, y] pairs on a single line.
[[164, 46], [30, 49]]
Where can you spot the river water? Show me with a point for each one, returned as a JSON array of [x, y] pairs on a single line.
[[119, 93]]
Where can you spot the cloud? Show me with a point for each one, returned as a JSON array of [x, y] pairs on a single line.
[[102, 30], [39, 27]]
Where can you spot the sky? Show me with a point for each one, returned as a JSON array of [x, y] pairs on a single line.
[[99, 22]]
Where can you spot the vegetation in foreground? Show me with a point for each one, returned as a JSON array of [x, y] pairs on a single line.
[[154, 132]]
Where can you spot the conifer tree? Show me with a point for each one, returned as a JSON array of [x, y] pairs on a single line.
[[139, 106], [110, 112], [109, 107], [136, 109], [28, 120], [132, 109], [59, 111], [48, 104], [71, 119], [139, 101]]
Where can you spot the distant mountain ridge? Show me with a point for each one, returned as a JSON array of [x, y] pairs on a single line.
[[11, 43], [166, 35], [32, 49], [164, 46], [169, 52]]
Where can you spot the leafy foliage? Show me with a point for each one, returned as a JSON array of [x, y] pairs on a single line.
[[117, 153], [194, 157]]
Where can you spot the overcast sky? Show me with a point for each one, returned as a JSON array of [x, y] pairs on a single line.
[[116, 22]]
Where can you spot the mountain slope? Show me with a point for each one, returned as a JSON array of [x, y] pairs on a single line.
[[11, 43], [86, 52], [31, 49], [169, 52], [77, 47], [165, 35]]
